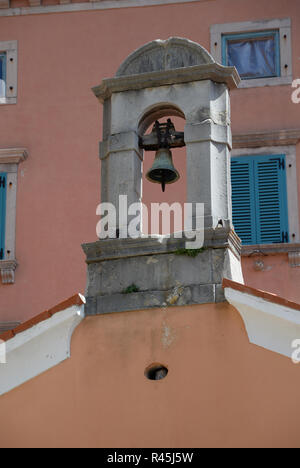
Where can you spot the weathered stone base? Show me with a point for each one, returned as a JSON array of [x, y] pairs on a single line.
[[159, 272]]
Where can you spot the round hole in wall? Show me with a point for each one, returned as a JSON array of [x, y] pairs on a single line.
[[156, 372]]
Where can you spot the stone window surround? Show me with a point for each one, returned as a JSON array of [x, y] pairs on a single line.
[[284, 26], [11, 50], [292, 248], [9, 162]]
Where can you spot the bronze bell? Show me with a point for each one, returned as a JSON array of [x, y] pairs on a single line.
[[163, 171]]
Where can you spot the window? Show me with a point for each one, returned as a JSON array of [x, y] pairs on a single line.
[[2, 75], [259, 199], [261, 51], [2, 213], [255, 55], [8, 72], [9, 162]]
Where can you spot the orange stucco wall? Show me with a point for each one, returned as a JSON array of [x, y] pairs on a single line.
[[220, 391], [61, 56]]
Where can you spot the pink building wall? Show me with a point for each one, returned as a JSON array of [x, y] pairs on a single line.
[[61, 56]]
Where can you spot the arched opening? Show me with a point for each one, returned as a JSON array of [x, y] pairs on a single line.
[[175, 193]]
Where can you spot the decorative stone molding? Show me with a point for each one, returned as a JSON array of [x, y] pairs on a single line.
[[211, 71], [293, 251], [260, 139], [67, 6], [158, 55], [7, 269], [13, 155], [40, 344], [269, 249], [271, 322]]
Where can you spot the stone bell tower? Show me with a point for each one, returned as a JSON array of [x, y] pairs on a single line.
[[175, 77]]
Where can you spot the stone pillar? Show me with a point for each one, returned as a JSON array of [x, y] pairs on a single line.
[[208, 144], [121, 172]]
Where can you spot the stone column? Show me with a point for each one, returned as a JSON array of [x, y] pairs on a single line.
[[121, 172], [208, 144]]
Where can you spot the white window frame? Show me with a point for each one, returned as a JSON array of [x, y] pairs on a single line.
[[284, 27], [10, 48], [291, 180], [9, 163]]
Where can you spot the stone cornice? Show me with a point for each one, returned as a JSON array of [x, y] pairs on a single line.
[[273, 138], [211, 71], [269, 249], [293, 251], [65, 6], [113, 249], [13, 155]]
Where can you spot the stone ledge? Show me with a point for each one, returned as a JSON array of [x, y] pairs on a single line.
[[269, 249], [178, 296], [260, 139], [293, 251], [211, 71], [112, 249]]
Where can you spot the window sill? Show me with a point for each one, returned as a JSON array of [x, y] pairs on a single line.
[[7, 270], [261, 82], [8, 100]]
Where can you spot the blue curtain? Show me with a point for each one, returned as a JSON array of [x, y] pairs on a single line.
[[253, 58]]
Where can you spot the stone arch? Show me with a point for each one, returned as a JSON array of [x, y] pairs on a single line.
[[156, 112], [160, 55]]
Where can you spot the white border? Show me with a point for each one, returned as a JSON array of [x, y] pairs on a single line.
[[292, 182], [284, 26]]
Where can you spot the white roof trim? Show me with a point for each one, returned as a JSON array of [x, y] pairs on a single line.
[[269, 325], [39, 348]]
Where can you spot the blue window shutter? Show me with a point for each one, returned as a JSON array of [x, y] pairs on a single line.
[[271, 199], [3, 183], [243, 199]]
